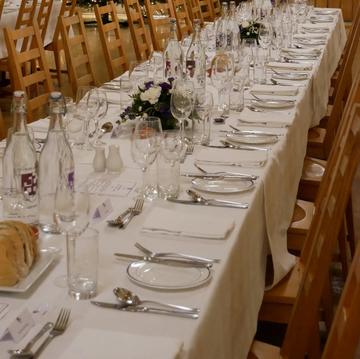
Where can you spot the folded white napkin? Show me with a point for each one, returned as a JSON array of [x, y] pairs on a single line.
[[97, 343], [303, 51], [290, 66], [218, 155], [311, 35], [275, 90], [166, 221], [271, 118], [315, 26]]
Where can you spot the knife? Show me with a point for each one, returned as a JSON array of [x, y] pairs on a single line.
[[211, 202], [234, 164], [228, 145], [177, 262], [222, 175], [131, 308]]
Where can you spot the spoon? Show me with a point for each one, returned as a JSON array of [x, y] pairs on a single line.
[[105, 128], [126, 296]]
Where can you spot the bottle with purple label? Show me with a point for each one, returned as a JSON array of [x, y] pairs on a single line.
[[20, 167], [56, 162]]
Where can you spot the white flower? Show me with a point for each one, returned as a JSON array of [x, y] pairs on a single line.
[[245, 24], [152, 95]]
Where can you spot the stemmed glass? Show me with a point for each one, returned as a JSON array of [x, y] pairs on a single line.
[[222, 70], [265, 36], [87, 107], [182, 101], [71, 214], [103, 108], [145, 144]]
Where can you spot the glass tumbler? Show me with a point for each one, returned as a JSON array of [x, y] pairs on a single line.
[[82, 264]]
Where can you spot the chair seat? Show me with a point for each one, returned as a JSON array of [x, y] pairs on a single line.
[[261, 350], [278, 302], [300, 224], [315, 145], [313, 171]]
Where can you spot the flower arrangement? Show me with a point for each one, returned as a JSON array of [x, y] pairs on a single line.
[[249, 30], [152, 99]]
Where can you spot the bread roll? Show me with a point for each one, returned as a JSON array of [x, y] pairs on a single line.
[[18, 251]]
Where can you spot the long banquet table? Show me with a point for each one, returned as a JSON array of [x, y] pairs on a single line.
[[230, 303]]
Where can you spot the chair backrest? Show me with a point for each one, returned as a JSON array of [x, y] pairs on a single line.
[[25, 17], [158, 15], [139, 34], [44, 16], [342, 93], [67, 9], [111, 41], [321, 240], [347, 51], [216, 8], [344, 335], [80, 64], [183, 21], [194, 10], [206, 10], [2, 2], [37, 84]]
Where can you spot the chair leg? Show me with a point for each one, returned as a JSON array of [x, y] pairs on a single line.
[[350, 226], [343, 250], [314, 351], [57, 65], [327, 303]]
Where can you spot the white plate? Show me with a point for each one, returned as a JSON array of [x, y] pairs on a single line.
[[272, 104], [166, 277], [46, 257], [222, 186], [293, 76], [253, 139]]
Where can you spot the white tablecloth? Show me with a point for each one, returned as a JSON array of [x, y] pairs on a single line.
[[230, 302], [9, 16]]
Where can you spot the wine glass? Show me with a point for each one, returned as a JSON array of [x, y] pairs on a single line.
[[145, 144], [182, 101], [71, 214], [265, 36], [103, 108], [87, 103], [222, 69]]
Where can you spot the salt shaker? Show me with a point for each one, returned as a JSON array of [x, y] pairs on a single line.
[[114, 162], [99, 162]]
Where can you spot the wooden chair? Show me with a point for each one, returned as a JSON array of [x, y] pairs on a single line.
[[301, 337], [206, 10], [215, 8], [344, 335], [2, 127], [36, 84], [278, 301], [194, 10], [139, 34], [158, 15], [2, 2], [80, 64], [25, 17], [183, 21], [56, 46], [320, 139], [111, 41], [44, 16]]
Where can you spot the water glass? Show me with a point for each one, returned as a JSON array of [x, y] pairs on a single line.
[[168, 177], [82, 264], [201, 118]]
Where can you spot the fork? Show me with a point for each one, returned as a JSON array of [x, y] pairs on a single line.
[[58, 329], [119, 220], [134, 212]]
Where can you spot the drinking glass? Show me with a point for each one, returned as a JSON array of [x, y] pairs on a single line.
[[172, 150], [222, 70], [265, 36], [137, 74], [71, 214], [103, 108], [87, 97], [182, 101], [201, 124], [145, 144]]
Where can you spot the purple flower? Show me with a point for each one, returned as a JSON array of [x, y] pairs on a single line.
[[165, 86], [148, 84]]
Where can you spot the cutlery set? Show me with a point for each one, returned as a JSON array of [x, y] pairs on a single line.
[[124, 219], [56, 329]]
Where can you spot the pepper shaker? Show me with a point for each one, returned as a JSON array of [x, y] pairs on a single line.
[[99, 162], [114, 162]]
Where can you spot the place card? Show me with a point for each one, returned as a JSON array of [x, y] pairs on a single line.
[[19, 326], [102, 211]]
